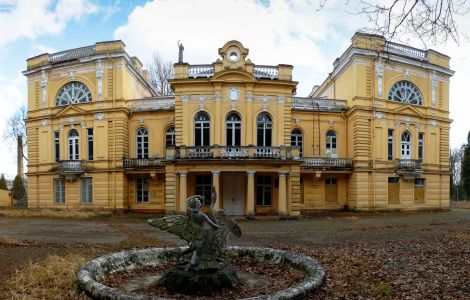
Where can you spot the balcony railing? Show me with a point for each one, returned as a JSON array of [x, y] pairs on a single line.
[[135, 163], [411, 165], [72, 54], [155, 103], [198, 71], [327, 163], [318, 104], [406, 50], [71, 166], [269, 72], [233, 152]]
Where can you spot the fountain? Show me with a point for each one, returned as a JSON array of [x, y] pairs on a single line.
[[201, 267]]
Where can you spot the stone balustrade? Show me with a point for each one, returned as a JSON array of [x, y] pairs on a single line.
[[155, 103], [327, 163], [71, 166], [406, 50], [201, 71], [72, 54], [319, 104]]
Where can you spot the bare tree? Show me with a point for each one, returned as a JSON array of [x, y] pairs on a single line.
[[161, 71], [15, 132], [431, 21], [455, 163]]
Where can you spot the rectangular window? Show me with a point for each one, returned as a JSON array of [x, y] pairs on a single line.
[[419, 182], [86, 189], [390, 144], [204, 188], [420, 146], [263, 190], [142, 188], [90, 143], [393, 179], [59, 190], [56, 146]]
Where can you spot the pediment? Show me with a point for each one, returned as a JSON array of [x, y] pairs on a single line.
[[408, 110], [70, 110], [233, 75]]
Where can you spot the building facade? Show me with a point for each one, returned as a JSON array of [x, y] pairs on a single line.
[[374, 135]]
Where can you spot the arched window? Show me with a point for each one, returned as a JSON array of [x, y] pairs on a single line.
[[73, 92], [264, 130], [74, 145], [233, 129], [331, 147], [142, 143], [406, 145], [202, 126], [296, 139], [170, 136], [405, 92]]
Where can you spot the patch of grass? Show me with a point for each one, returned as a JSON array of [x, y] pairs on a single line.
[[52, 278], [52, 213], [6, 241], [383, 289]]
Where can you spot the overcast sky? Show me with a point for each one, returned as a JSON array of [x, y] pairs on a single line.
[[290, 32]]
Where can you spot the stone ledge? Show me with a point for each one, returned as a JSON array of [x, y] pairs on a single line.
[[89, 274]]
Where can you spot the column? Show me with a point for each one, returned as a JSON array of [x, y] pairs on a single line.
[[216, 185], [282, 209], [250, 194], [183, 191]]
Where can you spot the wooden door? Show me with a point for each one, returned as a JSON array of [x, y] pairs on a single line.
[[393, 190], [331, 191], [419, 186], [233, 194]]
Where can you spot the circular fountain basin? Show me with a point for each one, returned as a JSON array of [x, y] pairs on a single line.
[[88, 275]]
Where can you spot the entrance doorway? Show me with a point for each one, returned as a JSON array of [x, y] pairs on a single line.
[[233, 193], [331, 191]]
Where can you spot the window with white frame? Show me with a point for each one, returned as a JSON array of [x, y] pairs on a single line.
[[142, 143], [56, 145], [264, 130], [420, 146], [72, 93], [296, 139], [170, 137], [233, 129], [202, 127], [405, 92], [331, 149], [74, 145], [90, 143], [406, 145], [59, 190], [390, 144], [86, 190]]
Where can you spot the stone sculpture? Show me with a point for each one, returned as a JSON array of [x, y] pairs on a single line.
[[206, 271]]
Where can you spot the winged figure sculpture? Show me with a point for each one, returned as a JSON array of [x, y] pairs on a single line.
[[207, 245]]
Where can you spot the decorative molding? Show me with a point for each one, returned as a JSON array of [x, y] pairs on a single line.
[[407, 74], [61, 127], [433, 123], [83, 125], [100, 105], [72, 75], [281, 99], [201, 106], [331, 123], [71, 120], [172, 119], [233, 106], [99, 78], [233, 94], [297, 121], [44, 122], [433, 89], [44, 87], [408, 119], [265, 107], [100, 116], [141, 121], [378, 115], [184, 98], [250, 173], [218, 96], [379, 71], [397, 124], [215, 173], [249, 97]]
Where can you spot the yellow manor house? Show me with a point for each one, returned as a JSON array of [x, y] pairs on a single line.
[[373, 136]]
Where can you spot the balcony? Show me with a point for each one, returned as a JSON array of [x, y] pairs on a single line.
[[319, 104], [140, 163], [71, 167], [408, 168], [233, 152], [327, 163]]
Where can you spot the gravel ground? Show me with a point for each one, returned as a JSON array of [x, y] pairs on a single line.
[[379, 255]]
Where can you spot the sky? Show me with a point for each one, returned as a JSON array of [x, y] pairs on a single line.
[[292, 32]]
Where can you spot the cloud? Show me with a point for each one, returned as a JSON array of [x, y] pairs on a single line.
[[39, 17], [276, 32]]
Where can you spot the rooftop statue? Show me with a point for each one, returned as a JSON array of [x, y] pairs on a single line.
[[206, 246]]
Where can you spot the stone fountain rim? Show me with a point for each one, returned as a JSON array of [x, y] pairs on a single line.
[[89, 273]]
